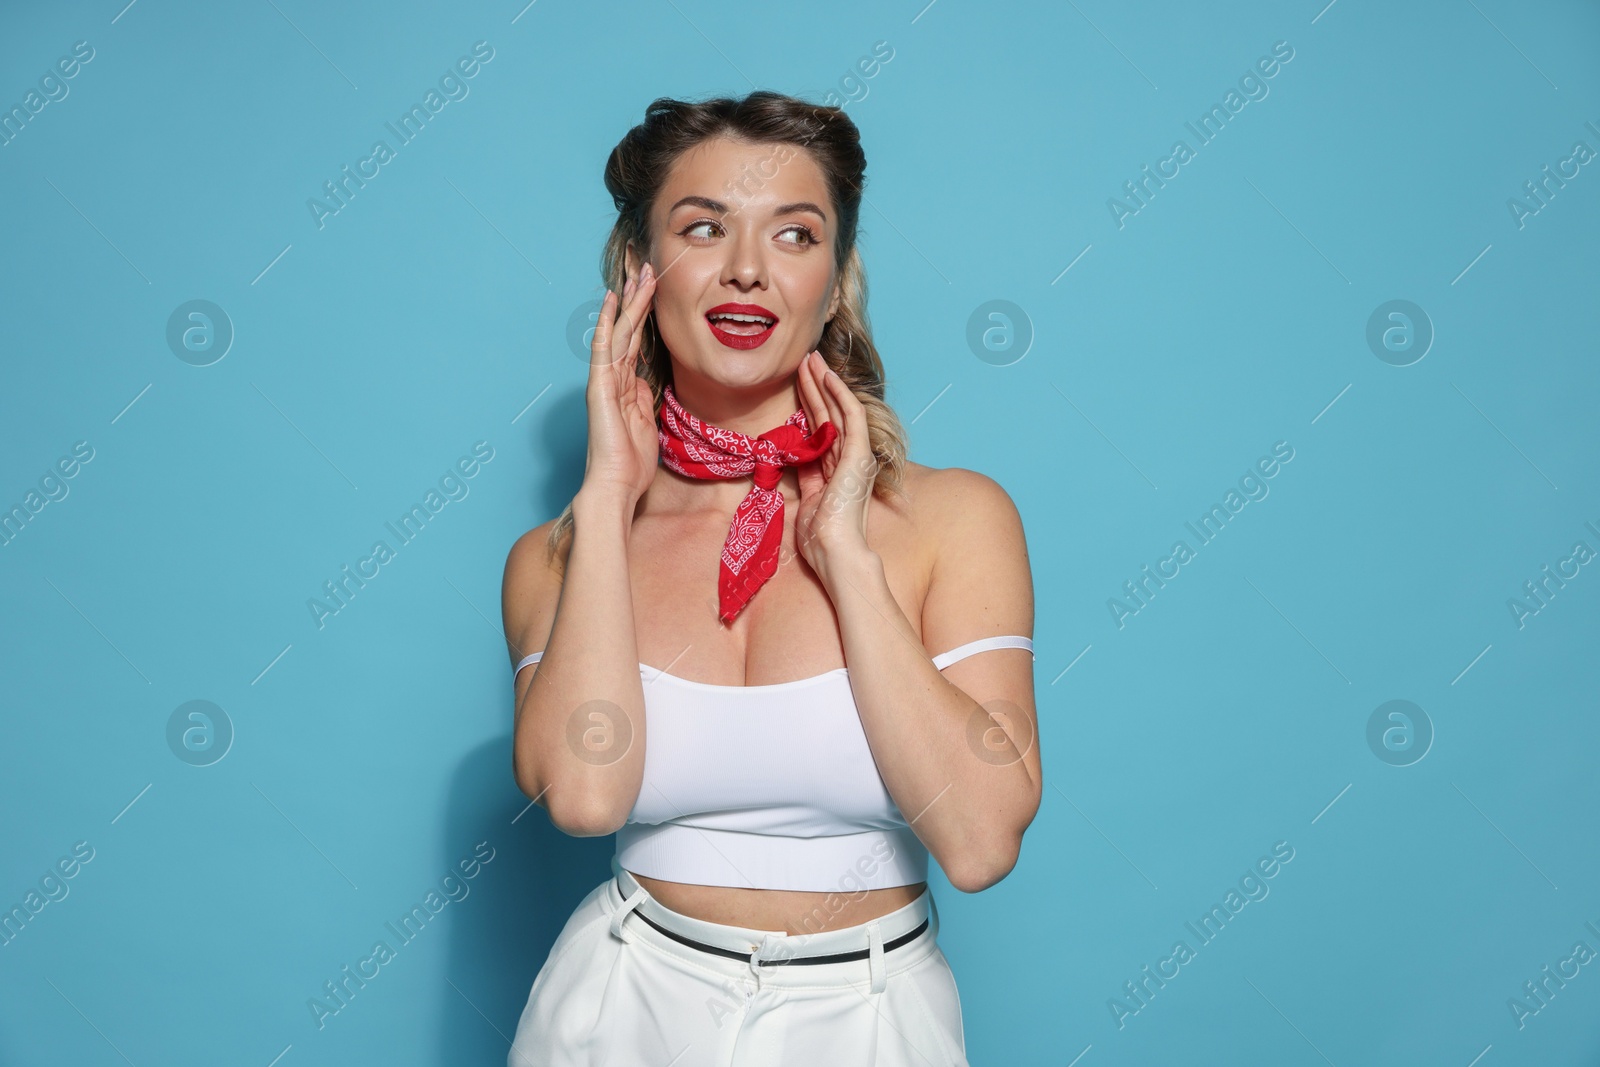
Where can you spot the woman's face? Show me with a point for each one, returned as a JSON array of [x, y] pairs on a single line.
[[746, 224]]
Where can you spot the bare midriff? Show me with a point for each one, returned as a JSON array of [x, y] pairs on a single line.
[[792, 911]]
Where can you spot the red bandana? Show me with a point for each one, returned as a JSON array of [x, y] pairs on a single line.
[[700, 450]]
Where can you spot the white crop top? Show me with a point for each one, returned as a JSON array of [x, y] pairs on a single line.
[[768, 786]]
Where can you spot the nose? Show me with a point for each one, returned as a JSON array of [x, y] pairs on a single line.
[[746, 266]]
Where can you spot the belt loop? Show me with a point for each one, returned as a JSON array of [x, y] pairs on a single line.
[[875, 967], [758, 956], [622, 913]]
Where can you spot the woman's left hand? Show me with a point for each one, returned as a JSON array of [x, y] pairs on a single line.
[[835, 489]]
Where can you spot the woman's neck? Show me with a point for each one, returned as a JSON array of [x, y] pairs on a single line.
[[751, 412]]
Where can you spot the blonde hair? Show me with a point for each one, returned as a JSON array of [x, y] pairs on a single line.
[[637, 169]]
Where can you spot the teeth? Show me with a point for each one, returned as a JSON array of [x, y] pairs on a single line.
[[742, 318]]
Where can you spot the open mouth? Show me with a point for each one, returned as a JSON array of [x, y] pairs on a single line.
[[741, 326]]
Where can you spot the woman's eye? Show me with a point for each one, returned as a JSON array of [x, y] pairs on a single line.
[[803, 235]]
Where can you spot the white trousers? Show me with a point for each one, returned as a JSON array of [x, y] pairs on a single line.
[[617, 991]]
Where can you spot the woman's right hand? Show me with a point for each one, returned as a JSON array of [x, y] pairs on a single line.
[[623, 446]]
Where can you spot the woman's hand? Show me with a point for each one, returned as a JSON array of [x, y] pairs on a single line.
[[623, 447], [835, 489]]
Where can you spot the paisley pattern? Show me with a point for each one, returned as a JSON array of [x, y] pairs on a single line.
[[697, 449]]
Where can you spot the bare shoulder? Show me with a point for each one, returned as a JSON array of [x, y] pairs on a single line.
[[531, 588], [979, 579], [950, 506]]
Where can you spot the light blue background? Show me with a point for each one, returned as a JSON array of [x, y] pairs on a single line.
[[1228, 314]]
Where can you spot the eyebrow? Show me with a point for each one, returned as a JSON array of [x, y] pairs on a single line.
[[722, 209]]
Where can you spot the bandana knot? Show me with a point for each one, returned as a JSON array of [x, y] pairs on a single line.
[[769, 451]]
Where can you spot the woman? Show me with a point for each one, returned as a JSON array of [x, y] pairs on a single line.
[[774, 811]]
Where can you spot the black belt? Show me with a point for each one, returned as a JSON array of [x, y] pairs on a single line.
[[836, 957]]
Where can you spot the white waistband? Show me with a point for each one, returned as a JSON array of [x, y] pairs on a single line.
[[773, 944]]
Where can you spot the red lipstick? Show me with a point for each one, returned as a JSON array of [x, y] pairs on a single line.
[[733, 325]]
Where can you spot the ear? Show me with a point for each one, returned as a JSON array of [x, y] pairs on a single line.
[[631, 263], [834, 301]]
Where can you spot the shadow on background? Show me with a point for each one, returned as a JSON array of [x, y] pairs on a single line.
[[501, 933]]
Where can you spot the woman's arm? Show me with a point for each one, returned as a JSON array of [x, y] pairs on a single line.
[[578, 744], [958, 750]]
